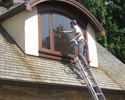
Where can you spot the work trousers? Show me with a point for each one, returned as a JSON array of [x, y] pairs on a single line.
[[81, 47]]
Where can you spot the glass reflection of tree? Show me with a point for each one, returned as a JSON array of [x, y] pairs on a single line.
[[61, 41]]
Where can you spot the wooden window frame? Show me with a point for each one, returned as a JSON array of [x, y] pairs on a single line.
[[51, 53]]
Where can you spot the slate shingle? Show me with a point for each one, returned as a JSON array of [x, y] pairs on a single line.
[[15, 65]]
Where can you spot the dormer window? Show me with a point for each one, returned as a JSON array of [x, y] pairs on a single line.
[[53, 42], [42, 20]]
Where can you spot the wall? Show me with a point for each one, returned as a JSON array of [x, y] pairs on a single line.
[[30, 93], [31, 32], [23, 28], [92, 47], [15, 27]]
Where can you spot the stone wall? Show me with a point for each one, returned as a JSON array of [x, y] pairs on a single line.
[[28, 93]]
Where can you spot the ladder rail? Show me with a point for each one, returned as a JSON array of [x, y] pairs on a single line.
[[87, 81], [95, 91], [96, 83]]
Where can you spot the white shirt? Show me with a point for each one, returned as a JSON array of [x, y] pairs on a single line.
[[77, 29]]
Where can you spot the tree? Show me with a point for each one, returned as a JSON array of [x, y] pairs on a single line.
[[111, 14], [6, 3], [115, 28]]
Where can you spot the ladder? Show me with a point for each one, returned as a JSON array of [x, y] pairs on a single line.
[[92, 85]]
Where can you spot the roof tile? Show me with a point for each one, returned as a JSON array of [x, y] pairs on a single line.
[[15, 65]]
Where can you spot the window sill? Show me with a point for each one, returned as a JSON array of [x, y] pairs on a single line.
[[57, 56]]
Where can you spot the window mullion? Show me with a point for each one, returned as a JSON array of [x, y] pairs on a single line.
[[40, 30], [51, 33]]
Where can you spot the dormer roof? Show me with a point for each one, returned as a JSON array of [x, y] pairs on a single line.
[[28, 5]]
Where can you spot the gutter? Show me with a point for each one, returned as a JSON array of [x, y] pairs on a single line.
[[37, 84], [13, 12], [26, 83]]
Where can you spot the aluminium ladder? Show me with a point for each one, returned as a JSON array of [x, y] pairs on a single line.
[[92, 85]]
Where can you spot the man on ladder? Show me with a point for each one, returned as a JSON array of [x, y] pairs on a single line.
[[80, 45], [78, 38]]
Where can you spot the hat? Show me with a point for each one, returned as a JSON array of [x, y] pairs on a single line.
[[74, 21]]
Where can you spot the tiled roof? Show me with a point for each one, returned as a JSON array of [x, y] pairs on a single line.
[[111, 66], [15, 65]]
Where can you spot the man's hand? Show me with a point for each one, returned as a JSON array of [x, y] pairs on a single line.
[[63, 31], [72, 40], [69, 31]]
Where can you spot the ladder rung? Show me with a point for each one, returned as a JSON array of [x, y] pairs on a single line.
[[90, 77], [87, 69], [95, 85], [99, 93], [81, 69], [91, 82]]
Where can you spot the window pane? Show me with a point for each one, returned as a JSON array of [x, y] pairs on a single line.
[[45, 31], [61, 41]]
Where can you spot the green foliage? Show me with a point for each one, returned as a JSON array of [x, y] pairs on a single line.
[[96, 7], [115, 29], [4, 2], [112, 18], [1, 2]]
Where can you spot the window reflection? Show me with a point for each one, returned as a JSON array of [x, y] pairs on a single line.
[[61, 41], [45, 31]]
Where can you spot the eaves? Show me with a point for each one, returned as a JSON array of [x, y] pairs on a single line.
[[12, 12]]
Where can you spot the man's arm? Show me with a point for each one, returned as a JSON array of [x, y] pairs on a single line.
[[75, 37], [69, 31]]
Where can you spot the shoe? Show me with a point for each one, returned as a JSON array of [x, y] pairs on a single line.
[[87, 69], [73, 62]]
